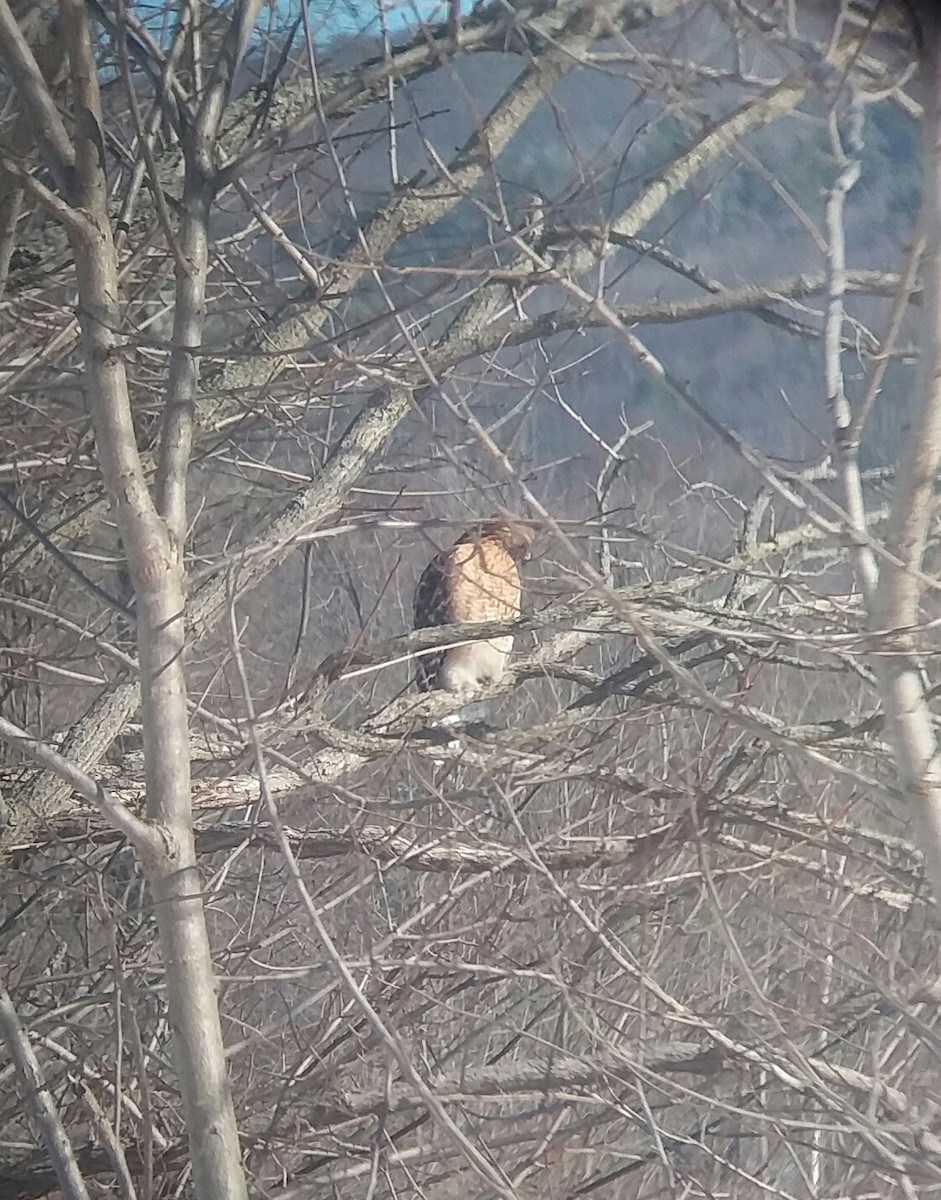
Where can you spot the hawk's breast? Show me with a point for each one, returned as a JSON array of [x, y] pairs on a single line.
[[481, 582]]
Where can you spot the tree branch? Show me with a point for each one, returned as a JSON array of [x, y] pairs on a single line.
[[150, 841], [38, 1103], [896, 603]]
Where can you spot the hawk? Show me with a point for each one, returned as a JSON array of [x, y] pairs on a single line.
[[477, 579]]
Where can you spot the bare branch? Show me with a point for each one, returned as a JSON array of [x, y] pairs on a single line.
[[36, 1100], [148, 839], [896, 601]]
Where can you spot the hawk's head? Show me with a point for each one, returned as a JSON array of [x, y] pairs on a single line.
[[514, 536]]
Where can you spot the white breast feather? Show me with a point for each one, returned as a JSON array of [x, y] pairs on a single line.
[[468, 668]]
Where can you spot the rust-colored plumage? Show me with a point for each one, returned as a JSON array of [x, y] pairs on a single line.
[[477, 579]]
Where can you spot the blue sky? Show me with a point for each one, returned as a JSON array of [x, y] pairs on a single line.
[[350, 16], [329, 19]]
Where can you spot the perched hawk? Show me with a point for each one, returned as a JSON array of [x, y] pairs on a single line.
[[477, 579]]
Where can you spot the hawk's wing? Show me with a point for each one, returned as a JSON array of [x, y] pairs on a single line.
[[430, 608]]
